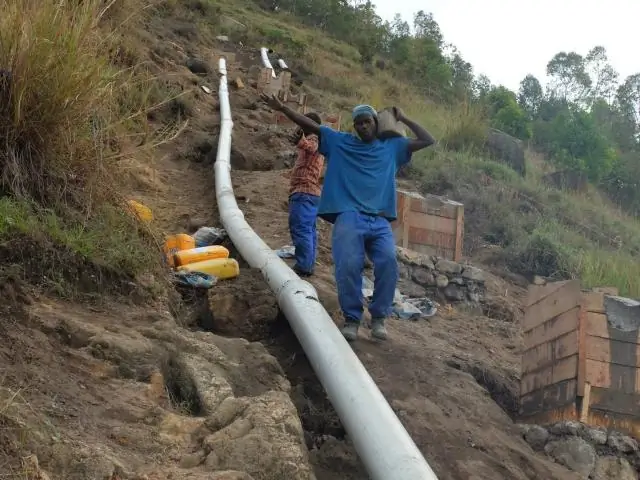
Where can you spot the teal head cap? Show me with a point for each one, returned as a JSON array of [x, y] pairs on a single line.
[[364, 110]]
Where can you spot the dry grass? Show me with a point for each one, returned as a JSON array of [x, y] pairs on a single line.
[[56, 99], [70, 115], [16, 461]]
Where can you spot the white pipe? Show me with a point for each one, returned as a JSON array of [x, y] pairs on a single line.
[[264, 53], [385, 447], [282, 64]]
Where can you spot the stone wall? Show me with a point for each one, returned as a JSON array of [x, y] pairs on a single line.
[[444, 279], [592, 452]]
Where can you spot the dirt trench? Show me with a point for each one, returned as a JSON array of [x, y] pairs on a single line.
[[246, 308]]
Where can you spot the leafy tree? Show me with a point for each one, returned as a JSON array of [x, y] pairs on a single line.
[[480, 87], [530, 95], [573, 141], [462, 74], [569, 77], [506, 114], [427, 28], [400, 40], [603, 77], [628, 97]]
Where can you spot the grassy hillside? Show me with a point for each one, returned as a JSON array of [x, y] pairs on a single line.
[[542, 230], [72, 116]]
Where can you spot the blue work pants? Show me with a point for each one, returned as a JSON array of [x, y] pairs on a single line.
[[355, 234], [303, 210]]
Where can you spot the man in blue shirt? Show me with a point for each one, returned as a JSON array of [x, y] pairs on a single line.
[[359, 199]]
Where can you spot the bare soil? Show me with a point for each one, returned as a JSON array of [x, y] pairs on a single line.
[[98, 386]]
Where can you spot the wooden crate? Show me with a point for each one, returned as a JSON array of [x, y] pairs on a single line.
[[429, 224], [576, 365]]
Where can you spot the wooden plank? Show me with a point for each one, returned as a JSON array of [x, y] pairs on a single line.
[[431, 250], [435, 206], [614, 401], [553, 328], [558, 302], [614, 421], [548, 353], [593, 302], [419, 228], [586, 402], [405, 224], [612, 376], [432, 238], [548, 398], [568, 412], [457, 256], [564, 369], [432, 223], [582, 345], [597, 325], [613, 351], [538, 292]]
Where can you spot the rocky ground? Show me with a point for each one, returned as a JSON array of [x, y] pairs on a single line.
[[591, 451], [219, 388]]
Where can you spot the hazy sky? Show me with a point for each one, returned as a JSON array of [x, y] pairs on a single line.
[[507, 39]]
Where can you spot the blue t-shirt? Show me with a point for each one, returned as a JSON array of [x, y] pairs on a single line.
[[360, 176]]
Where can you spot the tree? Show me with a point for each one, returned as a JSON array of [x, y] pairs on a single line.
[[506, 114], [628, 97], [569, 77], [462, 74], [530, 95], [603, 77], [426, 27], [370, 36], [480, 87], [400, 40], [572, 140]]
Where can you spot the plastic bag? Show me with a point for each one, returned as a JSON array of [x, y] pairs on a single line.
[[207, 236]]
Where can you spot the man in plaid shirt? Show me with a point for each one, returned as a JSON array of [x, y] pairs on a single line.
[[304, 197]]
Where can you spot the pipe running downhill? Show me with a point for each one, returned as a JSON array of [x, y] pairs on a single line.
[[383, 444]]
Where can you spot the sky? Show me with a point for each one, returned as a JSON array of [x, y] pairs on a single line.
[[508, 39]]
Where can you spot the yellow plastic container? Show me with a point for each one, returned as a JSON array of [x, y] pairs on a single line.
[[221, 268], [142, 212], [177, 243], [200, 254]]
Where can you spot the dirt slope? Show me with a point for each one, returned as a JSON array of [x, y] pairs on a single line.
[[433, 373], [116, 390]]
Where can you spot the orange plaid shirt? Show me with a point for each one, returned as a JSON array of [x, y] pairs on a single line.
[[306, 173]]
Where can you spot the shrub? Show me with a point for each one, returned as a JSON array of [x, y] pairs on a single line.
[[465, 129], [55, 100], [67, 116]]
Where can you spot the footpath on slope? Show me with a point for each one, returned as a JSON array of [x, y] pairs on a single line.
[[114, 390], [445, 409]]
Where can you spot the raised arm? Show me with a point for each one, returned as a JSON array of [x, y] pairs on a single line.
[[424, 138], [308, 125]]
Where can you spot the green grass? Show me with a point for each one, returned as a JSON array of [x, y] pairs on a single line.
[[110, 238], [542, 230]]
